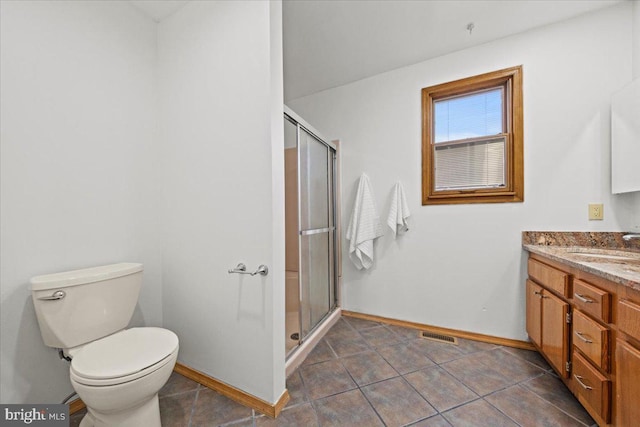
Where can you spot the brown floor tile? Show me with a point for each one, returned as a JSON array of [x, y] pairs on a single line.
[[551, 389], [177, 384], [301, 415], [175, 410], [404, 333], [530, 356], [346, 410], [437, 421], [341, 327], [439, 388], [361, 323], [469, 346], [479, 378], [528, 409], [320, 353], [367, 368], [75, 419], [518, 386], [397, 402], [296, 390], [477, 414], [404, 358], [212, 409], [325, 378], [510, 366], [244, 423], [345, 345], [379, 336], [438, 352]]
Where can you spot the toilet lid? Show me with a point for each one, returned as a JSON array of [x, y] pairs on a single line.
[[123, 353]]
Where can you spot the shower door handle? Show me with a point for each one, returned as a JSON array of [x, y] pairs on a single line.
[[316, 231]]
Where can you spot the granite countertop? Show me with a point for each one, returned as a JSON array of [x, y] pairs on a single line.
[[602, 254]]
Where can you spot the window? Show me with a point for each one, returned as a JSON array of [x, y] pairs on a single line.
[[472, 140]]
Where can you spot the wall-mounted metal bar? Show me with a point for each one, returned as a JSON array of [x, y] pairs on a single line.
[[262, 270]]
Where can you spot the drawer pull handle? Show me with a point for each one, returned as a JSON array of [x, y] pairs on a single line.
[[584, 299], [581, 336], [579, 379]]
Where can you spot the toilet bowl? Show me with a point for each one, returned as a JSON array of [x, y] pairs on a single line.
[[118, 377], [116, 372]]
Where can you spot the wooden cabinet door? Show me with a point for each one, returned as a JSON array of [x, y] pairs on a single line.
[[628, 384], [534, 311], [555, 330]]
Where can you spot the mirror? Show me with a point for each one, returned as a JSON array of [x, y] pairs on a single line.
[[625, 139]]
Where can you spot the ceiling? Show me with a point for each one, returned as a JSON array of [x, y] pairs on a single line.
[[332, 43]]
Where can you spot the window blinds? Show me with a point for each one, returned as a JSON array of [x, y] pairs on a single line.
[[470, 144], [471, 165]]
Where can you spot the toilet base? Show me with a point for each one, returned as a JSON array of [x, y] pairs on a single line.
[[147, 414]]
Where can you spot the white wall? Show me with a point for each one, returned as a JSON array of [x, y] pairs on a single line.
[[221, 124], [462, 266], [77, 173], [636, 39], [631, 201]]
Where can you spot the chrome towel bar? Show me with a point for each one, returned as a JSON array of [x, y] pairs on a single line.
[[262, 270]]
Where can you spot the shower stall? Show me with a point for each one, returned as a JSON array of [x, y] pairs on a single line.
[[310, 230]]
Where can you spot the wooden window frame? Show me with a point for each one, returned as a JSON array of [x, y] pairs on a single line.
[[511, 78]]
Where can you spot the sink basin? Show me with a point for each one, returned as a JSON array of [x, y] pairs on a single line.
[[605, 254]]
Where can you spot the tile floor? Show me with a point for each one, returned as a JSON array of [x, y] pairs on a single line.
[[369, 374]]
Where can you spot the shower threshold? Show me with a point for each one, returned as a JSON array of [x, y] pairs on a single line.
[[297, 355]]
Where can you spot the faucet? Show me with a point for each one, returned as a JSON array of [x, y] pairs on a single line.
[[628, 237]]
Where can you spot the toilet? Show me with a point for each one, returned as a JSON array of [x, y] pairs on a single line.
[[117, 372]]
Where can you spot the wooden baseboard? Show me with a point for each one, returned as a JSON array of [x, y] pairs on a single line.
[[268, 409], [525, 345], [76, 405]]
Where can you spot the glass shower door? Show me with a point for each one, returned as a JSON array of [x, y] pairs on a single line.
[[316, 222]]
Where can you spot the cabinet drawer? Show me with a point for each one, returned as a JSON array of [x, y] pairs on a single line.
[[592, 300], [592, 339], [629, 318], [556, 280], [593, 388]]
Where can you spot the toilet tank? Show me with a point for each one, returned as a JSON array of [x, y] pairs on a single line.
[[80, 306]]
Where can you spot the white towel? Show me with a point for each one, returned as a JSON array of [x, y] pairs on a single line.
[[364, 226], [398, 212]]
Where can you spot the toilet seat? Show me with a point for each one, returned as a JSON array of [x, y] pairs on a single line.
[[124, 356]]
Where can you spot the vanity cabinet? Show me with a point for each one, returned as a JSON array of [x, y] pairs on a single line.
[[628, 385], [547, 314], [628, 361], [588, 329], [534, 312], [592, 339]]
